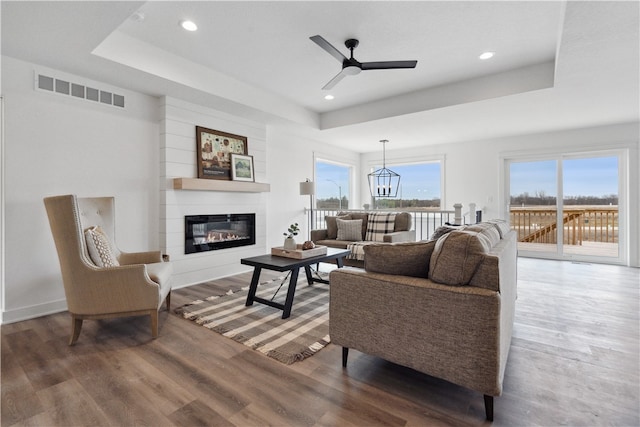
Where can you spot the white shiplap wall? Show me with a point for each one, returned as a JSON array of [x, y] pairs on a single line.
[[178, 159]]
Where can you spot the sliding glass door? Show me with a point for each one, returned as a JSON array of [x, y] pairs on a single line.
[[534, 204], [590, 206], [567, 206]]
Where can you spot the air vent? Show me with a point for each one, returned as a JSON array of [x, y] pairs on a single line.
[[76, 90]]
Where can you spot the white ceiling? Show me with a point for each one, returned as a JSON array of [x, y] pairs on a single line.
[[557, 65]]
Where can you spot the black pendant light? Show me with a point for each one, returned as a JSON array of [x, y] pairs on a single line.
[[384, 182]]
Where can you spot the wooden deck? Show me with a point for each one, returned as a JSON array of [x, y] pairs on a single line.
[[598, 249], [573, 361]]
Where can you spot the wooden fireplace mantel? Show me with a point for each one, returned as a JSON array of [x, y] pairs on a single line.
[[220, 185]]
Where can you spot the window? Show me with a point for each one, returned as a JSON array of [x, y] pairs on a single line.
[[567, 206], [333, 185], [420, 186]]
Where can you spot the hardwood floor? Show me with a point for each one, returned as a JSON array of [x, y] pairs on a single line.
[[573, 361]]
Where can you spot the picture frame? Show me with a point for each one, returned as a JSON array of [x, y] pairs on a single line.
[[214, 149], [242, 167]]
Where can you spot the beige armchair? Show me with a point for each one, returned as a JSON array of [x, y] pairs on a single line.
[[135, 287]]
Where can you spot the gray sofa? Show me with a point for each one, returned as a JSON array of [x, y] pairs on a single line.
[[443, 307], [399, 232]]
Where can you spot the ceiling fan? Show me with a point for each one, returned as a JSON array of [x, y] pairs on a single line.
[[351, 66]]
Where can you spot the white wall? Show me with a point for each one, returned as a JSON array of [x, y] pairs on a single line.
[[178, 159], [291, 161], [55, 144], [473, 169]]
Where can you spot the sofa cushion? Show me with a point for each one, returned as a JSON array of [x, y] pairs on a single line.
[[332, 226], [333, 243], [379, 224], [403, 222], [403, 259], [501, 225], [444, 229], [456, 257], [349, 229], [488, 230], [100, 248]]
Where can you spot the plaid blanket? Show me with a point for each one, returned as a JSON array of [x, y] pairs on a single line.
[[357, 250], [379, 224]]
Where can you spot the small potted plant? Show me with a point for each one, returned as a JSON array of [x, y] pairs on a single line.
[[290, 242]]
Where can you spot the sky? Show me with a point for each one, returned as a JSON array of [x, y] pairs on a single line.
[[418, 181], [597, 176]]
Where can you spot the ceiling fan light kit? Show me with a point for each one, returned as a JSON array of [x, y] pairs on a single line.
[[351, 66]]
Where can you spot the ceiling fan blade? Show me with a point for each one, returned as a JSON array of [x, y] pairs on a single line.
[[328, 47], [386, 65], [334, 81]]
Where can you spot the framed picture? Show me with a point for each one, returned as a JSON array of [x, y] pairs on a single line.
[[242, 167], [214, 150]]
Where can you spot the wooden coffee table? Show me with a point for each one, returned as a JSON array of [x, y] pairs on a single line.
[[276, 263]]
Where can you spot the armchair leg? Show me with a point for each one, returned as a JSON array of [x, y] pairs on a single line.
[[76, 326], [154, 323], [168, 300], [488, 407], [345, 355]]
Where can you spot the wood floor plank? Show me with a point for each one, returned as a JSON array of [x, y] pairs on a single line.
[[573, 361], [197, 413]]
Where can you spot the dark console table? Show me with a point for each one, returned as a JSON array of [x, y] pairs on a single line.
[[276, 263]]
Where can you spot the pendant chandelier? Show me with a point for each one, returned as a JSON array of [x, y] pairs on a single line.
[[383, 182]]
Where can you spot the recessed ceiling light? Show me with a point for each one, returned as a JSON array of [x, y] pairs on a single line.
[[487, 55], [329, 97], [188, 25]]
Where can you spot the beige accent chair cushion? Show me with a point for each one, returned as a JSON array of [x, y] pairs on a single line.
[[100, 248], [403, 259]]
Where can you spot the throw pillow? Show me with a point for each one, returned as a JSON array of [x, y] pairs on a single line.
[[403, 259], [502, 226], [332, 226], [363, 216], [456, 257], [442, 230], [99, 247], [349, 229], [488, 230], [378, 225]]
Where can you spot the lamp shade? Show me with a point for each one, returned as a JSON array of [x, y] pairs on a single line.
[[307, 188]]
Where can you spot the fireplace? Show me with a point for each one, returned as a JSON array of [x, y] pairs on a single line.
[[211, 232]]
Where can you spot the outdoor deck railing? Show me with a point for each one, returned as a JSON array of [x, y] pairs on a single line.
[[533, 224], [424, 222], [589, 223]]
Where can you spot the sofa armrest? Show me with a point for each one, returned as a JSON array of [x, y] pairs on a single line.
[[400, 236], [319, 234]]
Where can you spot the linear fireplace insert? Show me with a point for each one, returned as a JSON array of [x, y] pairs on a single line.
[[211, 232]]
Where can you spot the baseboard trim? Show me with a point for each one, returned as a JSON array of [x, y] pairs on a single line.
[[33, 311]]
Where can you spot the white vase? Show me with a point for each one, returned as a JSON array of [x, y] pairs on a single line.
[[290, 244]]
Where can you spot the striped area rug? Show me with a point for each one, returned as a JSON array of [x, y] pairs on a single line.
[[261, 327]]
